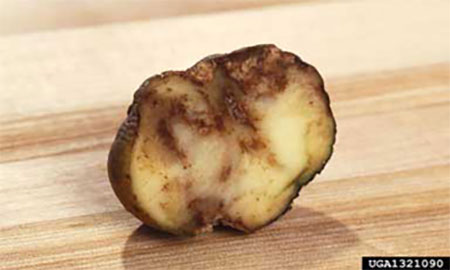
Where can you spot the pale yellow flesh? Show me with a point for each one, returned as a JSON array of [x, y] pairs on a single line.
[[298, 131]]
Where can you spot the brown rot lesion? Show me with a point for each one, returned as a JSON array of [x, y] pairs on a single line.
[[215, 138], [236, 109], [225, 173], [167, 138]]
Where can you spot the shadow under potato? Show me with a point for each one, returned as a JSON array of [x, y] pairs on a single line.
[[299, 240]]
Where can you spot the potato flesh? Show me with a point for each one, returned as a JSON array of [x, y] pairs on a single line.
[[189, 194]]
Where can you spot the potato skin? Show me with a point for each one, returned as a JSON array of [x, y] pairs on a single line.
[[119, 164], [119, 158]]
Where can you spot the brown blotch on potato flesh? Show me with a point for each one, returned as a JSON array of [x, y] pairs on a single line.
[[271, 159], [168, 139], [166, 187], [206, 210], [163, 205], [252, 144], [225, 173], [237, 109]]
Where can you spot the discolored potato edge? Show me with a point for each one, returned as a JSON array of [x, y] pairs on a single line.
[[326, 100], [119, 158]]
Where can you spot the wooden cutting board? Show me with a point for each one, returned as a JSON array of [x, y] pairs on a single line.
[[386, 190]]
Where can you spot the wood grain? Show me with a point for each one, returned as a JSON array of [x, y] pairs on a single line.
[[22, 16], [386, 190]]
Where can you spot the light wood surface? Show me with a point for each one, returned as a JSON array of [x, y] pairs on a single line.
[[22, 16], [386, 190]]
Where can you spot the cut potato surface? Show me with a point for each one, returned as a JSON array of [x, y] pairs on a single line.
[[229, 141]]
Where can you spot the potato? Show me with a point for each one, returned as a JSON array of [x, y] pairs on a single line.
[[229, 141]]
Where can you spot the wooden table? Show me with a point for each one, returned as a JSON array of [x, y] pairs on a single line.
[[386, 190]]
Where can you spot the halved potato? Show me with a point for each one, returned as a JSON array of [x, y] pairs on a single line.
[[229, 141]]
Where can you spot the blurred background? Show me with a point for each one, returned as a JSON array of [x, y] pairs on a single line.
[[19, 16], [68, 71]]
